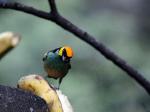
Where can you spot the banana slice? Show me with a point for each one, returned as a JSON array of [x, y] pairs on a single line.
[[36, 84], [8, 40]]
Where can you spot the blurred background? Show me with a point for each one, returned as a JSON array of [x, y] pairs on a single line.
[[93, 84]]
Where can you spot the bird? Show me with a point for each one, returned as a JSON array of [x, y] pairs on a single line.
[[57, 62]]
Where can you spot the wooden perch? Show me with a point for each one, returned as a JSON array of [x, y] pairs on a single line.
[[16, 100], [57, 18], [8, 40]]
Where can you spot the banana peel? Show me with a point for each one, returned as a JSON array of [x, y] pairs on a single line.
[[56, 101]]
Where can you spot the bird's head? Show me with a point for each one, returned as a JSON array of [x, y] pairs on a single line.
[[65, 53]]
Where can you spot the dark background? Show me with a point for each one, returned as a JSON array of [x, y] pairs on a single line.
[[93, 84]]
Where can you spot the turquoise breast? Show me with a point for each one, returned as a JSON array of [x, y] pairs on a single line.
[[54, 66]]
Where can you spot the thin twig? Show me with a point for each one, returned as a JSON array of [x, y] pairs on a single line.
[[52, 5], [67, 25]]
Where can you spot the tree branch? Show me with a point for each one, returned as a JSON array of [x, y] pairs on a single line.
[[67, 25], [27, 9], [52, 5]]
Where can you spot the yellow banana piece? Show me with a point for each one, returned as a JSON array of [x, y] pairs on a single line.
[[39, 86], [8, 40]]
